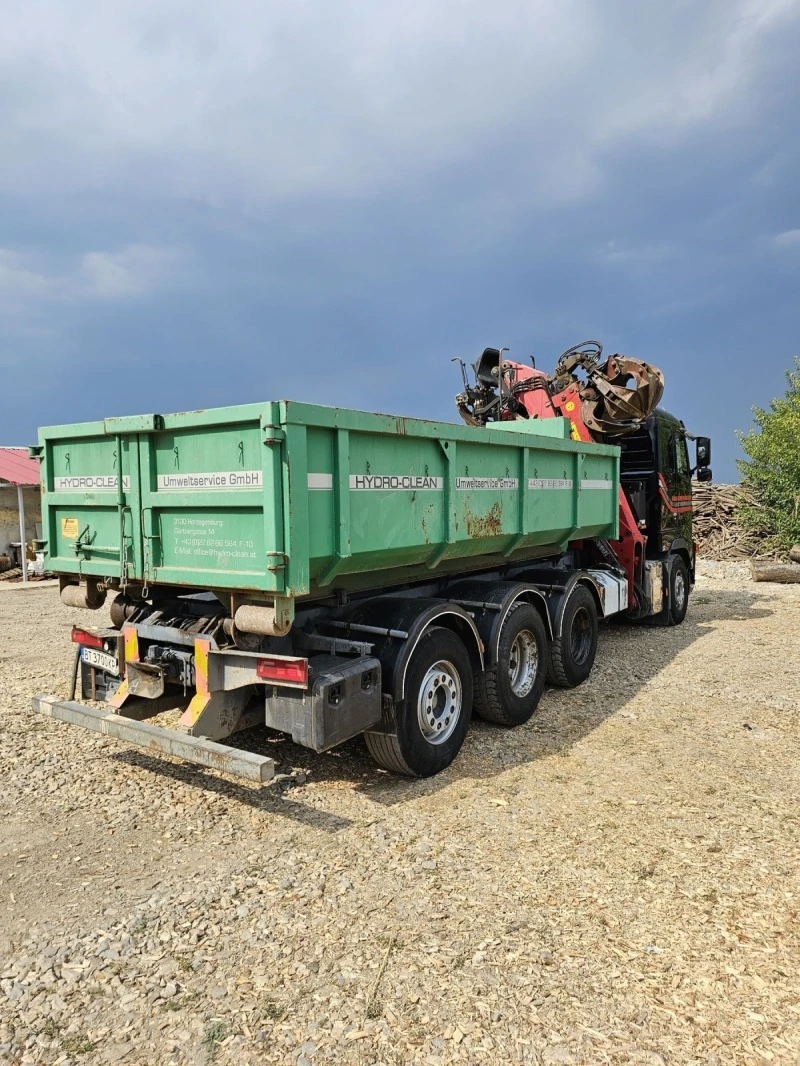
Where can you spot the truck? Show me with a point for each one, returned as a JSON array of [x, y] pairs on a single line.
[[327, 572]]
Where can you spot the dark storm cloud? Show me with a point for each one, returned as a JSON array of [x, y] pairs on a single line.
[[208, 203]]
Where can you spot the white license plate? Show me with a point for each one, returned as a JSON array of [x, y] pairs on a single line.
[[101, 659]]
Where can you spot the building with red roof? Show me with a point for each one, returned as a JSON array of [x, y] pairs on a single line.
[[20, 504], [17, 468]]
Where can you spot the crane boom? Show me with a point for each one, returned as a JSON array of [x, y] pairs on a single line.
[[603, 400]]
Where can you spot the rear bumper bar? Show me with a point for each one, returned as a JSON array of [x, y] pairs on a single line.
[[244, 764]]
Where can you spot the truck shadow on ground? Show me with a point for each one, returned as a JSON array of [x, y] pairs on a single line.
[[272, 799], [629, 658]]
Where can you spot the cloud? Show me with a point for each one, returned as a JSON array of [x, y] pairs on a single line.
[[790, 238], [136, 271], [714, 68], [18, 282], [637, 256], [260, 102]]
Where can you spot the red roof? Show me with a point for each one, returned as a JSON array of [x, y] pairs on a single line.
[[17, 467]]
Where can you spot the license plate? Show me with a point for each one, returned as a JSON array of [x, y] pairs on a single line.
[[101, 659]]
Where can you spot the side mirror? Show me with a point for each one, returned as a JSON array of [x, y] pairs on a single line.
[[704, 473], [703, 446]]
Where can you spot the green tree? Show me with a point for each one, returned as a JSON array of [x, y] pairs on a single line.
[[771, 471]]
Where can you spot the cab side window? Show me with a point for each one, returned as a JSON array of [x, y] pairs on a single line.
[[668, 456], [682, 467], [677, 457]]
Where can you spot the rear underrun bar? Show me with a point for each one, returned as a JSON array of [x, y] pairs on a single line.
[[235, 761]]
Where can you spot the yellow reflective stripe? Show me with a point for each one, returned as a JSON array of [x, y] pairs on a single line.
[[199, 703], [131, 644], [120, 695], [201, 650]]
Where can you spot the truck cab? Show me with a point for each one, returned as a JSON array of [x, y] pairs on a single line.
[[656, 474]]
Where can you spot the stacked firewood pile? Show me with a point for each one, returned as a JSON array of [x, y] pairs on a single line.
[[716, 529], [720, 537]]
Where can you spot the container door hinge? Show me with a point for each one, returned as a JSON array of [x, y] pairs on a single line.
[[277, 561], [274, 435]]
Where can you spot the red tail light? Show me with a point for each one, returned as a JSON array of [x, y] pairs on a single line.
[[89, 640], [283, 670]]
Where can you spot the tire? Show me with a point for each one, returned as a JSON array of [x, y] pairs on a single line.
[[509, 692], [678, 591], [430, 723], [572, 654], [676, 603]]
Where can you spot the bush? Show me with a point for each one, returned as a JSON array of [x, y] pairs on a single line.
[[771, 471]]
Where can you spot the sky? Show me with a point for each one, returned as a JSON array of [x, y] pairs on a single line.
[[205, 204]]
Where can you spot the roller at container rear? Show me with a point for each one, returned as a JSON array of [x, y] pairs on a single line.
[[280, 501]]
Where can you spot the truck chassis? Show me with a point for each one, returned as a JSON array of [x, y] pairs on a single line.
[[493, 638]]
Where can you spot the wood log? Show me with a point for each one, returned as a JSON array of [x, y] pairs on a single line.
[[769, 570], [794, 553]]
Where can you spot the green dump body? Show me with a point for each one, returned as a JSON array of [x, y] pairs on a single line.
[[294, 500]]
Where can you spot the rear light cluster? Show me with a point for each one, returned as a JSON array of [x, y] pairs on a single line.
[[88, 640], [283, 670]]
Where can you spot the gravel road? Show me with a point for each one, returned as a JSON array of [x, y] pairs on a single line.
[[616, 882]]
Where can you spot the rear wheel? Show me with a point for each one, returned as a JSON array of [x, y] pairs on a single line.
[[573, 653], [509, 692], [431, 721]]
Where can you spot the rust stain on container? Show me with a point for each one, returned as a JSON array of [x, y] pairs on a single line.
[[480, 527]]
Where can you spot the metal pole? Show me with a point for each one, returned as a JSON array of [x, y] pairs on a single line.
[[23, 553]]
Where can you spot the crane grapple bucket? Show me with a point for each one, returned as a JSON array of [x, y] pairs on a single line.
[[619, 394]]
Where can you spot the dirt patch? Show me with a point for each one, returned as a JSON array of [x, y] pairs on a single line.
[[616, 882]]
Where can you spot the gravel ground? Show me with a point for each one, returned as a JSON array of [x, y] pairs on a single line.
[[615, 882]]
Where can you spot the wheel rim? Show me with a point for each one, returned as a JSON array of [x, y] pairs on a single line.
[[679, 591], [581, 636], [523, 663], [439, 703]]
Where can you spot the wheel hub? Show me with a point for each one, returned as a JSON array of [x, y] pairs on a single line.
[[580, 636], [523, 663], [679, 591], [439, 703]]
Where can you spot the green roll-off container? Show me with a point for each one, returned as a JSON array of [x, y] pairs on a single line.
[[290, 500]]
